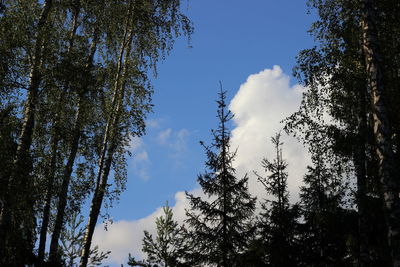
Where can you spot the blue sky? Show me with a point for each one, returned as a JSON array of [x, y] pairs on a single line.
[[232, 40]]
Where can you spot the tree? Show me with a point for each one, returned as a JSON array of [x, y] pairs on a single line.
[[148, 34], [219, 225], [72, 241], [168, 247], [278, 220], [321, 202], [96, 55], [388, 173], [17, 218], [338, 73]]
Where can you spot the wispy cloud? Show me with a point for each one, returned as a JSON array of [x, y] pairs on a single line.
[[140, 162], [164, 136], [175, 141], [154, 123]]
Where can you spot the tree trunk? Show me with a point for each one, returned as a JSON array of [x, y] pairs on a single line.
[[49, 195], [108, 146], [382, 129], [76, 133], [19, 181], [360, 162], [62, 198], [56, 139]]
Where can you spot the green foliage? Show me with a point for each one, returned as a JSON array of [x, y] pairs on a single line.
[[72, 241], [168, 247], [66, 53], [219, 224], [277, 226]]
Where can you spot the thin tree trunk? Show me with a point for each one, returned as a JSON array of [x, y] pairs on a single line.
[[224, 183], [76, 133], [360, 162], [382, 129], [108, 147], [56, 139], [62, 199], [49, 195], [20, 177]]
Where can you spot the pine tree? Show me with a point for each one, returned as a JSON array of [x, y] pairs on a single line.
[[278, 219], [72, 241], [219, 227]]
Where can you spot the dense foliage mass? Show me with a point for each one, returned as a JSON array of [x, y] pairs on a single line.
[[80, 70]]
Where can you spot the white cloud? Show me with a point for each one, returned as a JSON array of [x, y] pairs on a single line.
[[153, 123], [140, 162], [180, 142], [261, 103], [175, 140], [176, 144], [164, 136], [135, 144]]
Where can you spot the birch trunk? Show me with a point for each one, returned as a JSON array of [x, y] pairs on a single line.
[[382, 128], [360, 162], [108, 146], [76, 133], [18, 184], [55, 141]]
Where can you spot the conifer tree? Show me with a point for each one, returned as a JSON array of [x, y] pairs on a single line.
[[278, 219], [321, 201], [72, 241], [219, 228], [168, 247]]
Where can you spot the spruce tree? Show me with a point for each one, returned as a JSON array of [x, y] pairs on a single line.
[[219, 228], [278, 219], [321, 201]]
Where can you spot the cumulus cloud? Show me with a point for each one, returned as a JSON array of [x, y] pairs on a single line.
[[265, 99], [262, 102]]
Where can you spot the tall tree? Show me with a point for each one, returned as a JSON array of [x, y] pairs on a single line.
[[84, 90], [219, 227], [55, 139], [321, 202], [70, 50], [278, 222], [149, 31], [337, 76], [382, 126], [18, 208]]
